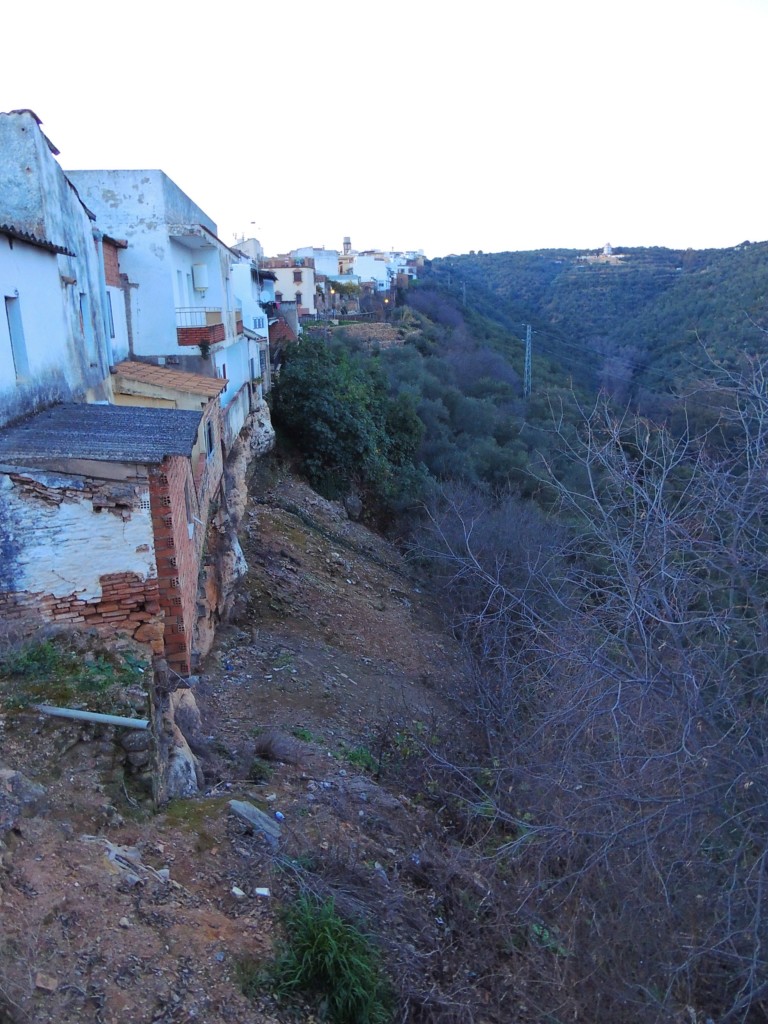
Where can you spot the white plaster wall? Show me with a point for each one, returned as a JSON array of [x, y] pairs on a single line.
[[182, 259], [38, 198], [63, 549], [246, 292], [119, 344], [235, 358], [141, 207], [32, 275], [326, 260], [368, 268], [130, 205]]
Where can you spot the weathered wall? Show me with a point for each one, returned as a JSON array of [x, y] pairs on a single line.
[[224, 563], [52, 520], [38, 199], [79, 551], [179, 542], [31, 275], [142, 207]]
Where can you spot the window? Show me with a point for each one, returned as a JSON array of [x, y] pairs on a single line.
[[278, 296], [298, 298], [16, 331], [223, 372], [210, 438], [297, 277]]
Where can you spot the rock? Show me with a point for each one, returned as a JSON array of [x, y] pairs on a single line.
[[47, 982], [186, 713], [138, 758], [135, 739], [367, 791], [18, 796], [256, 818], [124, 922], [262, 433], [353, 506], [184, 777]]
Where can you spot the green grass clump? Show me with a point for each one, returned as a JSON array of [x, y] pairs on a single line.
[[361, 757], [327, 961], [51, 671]]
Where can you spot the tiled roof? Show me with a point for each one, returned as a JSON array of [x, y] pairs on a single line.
[[104, 433], [175, 380], [280, 330], [30, 239]]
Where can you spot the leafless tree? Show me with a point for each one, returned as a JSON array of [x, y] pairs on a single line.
[[620, 673]]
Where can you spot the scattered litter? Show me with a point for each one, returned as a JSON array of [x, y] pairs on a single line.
[[261, 892], [279, 816], [237, 892], [124, 922], [47, 982]]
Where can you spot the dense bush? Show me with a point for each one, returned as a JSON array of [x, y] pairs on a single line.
[[352, 436]]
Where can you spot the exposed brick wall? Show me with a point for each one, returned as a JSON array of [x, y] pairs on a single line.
[[178, 556], [201, 335], [111, 263], [127, 602], [78, 550]]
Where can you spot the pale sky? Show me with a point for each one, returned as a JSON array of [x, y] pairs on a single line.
[[429, 125]]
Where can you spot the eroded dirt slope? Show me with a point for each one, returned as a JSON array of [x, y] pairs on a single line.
[[334, 661]]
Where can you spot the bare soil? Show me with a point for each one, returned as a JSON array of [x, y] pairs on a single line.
[[335, 665]]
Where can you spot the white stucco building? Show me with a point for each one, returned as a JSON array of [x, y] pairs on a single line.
[[325, 261], [247, 285], [294, 282], [179, 295], [54, 340]]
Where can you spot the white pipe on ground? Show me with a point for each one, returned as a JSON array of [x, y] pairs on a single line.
[[93, 716]]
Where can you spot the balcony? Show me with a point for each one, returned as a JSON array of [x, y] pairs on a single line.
[[200, 325], [206, 325]]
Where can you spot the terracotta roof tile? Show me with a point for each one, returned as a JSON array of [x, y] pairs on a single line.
[[174, 380]]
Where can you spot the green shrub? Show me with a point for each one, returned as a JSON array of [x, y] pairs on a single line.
[[328, 961], [361, 757]]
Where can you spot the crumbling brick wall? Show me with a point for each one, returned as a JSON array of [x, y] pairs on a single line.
[[78, 551]]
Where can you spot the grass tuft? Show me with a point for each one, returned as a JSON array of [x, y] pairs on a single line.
[[327, 961]]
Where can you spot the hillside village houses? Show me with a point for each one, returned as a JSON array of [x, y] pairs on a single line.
[[127, 382], [136, 351]]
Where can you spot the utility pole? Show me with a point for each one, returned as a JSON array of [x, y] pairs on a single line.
[[527, 372]]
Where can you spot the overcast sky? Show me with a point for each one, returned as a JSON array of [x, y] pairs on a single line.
[[429, 125]]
